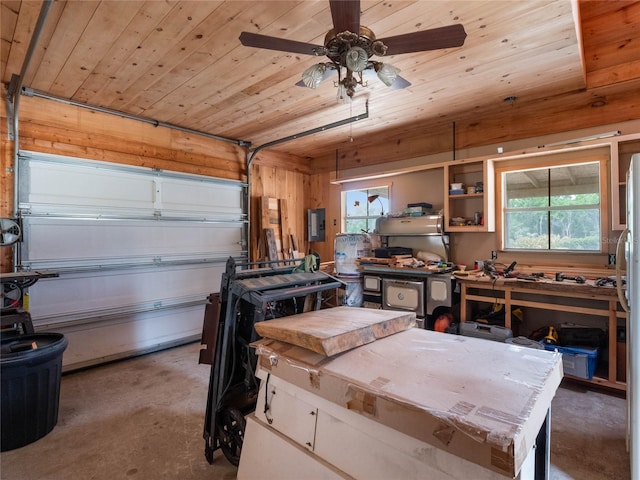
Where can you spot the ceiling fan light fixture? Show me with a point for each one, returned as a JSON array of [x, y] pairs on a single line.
[[350, 48], [387, 73], [356, 59], [313, 75]]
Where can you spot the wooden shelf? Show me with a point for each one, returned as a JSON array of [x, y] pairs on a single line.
[[466, 228], [464, 205], [466, 196]]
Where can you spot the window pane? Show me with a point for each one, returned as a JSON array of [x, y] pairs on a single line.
[[527, 230], [358, 225], [359, 214], [527, 188], [556, 208], [356, 203], [575, 185], [376, 206], [575, 229]]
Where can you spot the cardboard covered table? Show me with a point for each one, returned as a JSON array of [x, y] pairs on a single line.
[[415, 404]]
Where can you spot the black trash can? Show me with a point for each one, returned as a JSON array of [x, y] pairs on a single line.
[[30, 387]]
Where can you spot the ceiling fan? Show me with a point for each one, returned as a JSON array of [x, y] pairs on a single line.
[[350, 46]]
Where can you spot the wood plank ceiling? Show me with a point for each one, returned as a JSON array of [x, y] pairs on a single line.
[[181, 62]]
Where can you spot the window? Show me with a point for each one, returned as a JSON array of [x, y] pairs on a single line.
[[555, 207], [362, 207]]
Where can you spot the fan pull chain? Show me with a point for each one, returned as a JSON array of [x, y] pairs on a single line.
[[351, 124]]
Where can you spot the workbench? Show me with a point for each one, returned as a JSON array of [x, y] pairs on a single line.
[[413, 404], [515, 292]]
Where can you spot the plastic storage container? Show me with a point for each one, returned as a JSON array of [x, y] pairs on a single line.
[[488, 332], [577, 361], [30, 387]]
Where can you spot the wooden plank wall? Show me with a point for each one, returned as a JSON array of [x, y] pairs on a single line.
[[323, 194], [52, 127], [506, 122], [268, 179]]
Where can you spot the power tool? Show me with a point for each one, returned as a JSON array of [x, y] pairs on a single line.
[[561, 276], [551, 338]]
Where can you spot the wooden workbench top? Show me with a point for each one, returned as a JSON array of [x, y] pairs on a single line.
[[548, 284]]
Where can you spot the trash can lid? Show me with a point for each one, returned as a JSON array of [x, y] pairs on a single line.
[[18, 346]]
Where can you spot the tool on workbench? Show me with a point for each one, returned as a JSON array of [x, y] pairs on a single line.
[[611, 280], [489, 269], [508, 271], [551, 338], [561, 276], [535, 276]]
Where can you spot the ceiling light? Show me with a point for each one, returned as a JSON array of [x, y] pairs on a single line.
[[356, 59], [313, 75], [350, 55], [387, 73]]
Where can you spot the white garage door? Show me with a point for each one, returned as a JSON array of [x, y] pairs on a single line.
[[137, 251]]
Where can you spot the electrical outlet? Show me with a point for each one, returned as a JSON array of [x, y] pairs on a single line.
[[494, 254], [612, 259]]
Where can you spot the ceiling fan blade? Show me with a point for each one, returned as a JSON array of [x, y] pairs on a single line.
[[345, 15], [256, 40], [433, 39]]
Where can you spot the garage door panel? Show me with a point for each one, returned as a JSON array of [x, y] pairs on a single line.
[[94, 343], [57, 185], [86, 188], [62, 243], [133, 247], [188, 197], [93, 294]]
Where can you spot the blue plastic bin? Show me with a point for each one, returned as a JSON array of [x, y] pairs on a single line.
[[577, 361]]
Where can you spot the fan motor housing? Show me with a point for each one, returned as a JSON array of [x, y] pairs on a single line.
[[338, 44]]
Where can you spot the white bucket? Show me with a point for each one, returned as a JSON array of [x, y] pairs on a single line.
[[353, 294], [347, 248]]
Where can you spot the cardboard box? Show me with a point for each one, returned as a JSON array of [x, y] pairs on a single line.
[[481, 401]]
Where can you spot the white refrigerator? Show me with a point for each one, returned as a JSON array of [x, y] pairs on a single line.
[[630, 300]]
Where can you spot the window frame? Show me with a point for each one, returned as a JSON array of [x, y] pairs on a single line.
[[368, 191], [600, 154]]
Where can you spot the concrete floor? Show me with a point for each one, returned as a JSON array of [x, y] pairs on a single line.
[[143, 419]]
